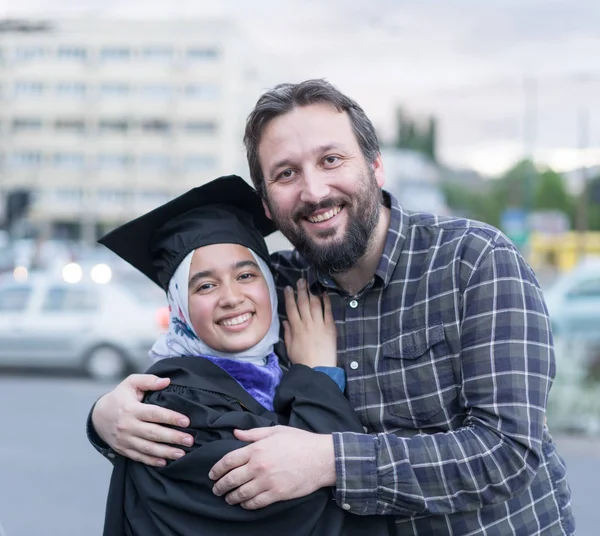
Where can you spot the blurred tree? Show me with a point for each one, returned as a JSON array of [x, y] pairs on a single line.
[[416, 136], [522, 186], [430, 140], [516, 185], [17, 203], [594, 190], [551, 194], [463, 201], [511, 190], [594, 204]]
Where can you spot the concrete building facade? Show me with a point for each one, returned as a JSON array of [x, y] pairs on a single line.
[[104, 119]]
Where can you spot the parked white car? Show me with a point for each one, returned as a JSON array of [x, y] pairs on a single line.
[[574, 305], [106, 330], [574, 302]]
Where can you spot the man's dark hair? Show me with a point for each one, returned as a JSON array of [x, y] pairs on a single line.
[[283, 98]]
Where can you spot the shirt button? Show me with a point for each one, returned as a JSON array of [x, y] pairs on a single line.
[[354, 365], [111, 455], [346, 506], [354, 304]]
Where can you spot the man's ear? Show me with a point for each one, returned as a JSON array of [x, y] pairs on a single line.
[[267, 211], [379, 171]]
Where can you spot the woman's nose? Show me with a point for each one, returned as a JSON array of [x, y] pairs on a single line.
[[230, 296]]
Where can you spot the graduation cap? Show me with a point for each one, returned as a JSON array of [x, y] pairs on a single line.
[[226, 210]]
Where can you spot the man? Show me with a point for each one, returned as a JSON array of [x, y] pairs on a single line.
[[442, 331]]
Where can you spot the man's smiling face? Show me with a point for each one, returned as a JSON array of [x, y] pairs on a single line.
[[320, 191]]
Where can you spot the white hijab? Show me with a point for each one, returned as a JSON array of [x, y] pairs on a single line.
[[181, 340]]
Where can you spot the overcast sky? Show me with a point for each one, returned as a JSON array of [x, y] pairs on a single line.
[[469, 62]]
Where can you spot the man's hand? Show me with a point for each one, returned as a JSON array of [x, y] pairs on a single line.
[[281, 463], [309, 332], [134, 429]]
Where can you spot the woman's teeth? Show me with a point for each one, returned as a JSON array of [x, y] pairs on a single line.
[[236, 320]]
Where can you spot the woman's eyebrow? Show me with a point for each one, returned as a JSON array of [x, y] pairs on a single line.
[[243, 264], [200, 275]]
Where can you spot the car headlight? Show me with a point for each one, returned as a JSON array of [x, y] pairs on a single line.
[[72, 273], [20, 274], [101, 274]]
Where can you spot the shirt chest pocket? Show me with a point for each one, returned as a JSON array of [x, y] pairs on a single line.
[[417, 374]]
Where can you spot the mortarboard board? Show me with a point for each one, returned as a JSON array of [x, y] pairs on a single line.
[[226, 210]]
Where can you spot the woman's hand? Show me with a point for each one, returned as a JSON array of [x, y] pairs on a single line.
[[309, 332]]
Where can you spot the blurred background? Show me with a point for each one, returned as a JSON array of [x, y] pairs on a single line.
[[488, 110]]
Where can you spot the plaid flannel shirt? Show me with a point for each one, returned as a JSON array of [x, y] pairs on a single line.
[[449, 360]]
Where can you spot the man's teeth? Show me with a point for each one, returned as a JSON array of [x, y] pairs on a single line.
[[236, 320], [325, 216]]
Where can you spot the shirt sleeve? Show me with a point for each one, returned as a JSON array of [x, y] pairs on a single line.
[[96, 440], [507, 366], [337, 374]]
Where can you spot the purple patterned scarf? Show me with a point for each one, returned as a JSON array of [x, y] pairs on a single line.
[[259, 380]]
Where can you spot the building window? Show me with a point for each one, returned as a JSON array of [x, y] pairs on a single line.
[[158, 162], [156, 126], [200, 127], [157, 91], [114, 89], [113, 125], [69, 160], [201, 54], [157, 53], [113, 160], [155, 198], [115, 53], [199, 162], [71, 89], [68, 197], [202, 91], [113, 198], [25, 159], [29, 53], [29, 88], [76, 53], [26, 124], [75, 126]]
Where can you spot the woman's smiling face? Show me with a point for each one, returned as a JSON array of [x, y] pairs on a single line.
[[228, 298]]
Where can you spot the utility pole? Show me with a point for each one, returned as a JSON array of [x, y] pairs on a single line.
[[581, 216], [522, 200], [530, 93], [530, 89]]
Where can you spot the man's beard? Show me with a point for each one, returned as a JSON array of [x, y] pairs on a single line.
[[340, 255]]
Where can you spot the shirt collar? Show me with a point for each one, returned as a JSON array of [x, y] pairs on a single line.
[[394, 242]]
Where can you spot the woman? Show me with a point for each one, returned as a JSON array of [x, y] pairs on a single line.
[[206, 250]]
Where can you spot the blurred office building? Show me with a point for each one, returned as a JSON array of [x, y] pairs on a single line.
[[101, 120], [415, 180]]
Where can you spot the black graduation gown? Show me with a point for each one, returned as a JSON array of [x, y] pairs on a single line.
[[178, 500]]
